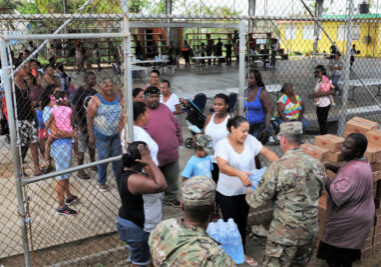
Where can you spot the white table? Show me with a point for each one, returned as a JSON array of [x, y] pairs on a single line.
[[140, 68], [199, 58], [153, 61], [353, 84]]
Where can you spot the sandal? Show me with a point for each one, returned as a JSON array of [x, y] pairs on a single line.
[[251, 261]]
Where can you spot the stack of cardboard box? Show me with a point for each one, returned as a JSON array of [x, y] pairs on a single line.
[[328, 148]]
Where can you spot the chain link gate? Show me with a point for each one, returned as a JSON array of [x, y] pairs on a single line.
[[305, 30]]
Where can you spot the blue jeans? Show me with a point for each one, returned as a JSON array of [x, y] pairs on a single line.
[[335, 82], [136, 239], [107, 147], [305, 123]]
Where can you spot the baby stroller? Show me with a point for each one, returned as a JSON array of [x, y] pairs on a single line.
[[195, 121]]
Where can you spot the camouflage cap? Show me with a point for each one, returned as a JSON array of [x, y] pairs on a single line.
[[204, 141], [198, 191], [294, 127]]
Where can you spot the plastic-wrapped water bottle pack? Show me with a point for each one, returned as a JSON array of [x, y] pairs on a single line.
[[256, 177], [228, 235]]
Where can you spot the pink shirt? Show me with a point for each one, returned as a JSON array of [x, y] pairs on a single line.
[[164, 128], [350, 206], [326, 84], [62, 118]]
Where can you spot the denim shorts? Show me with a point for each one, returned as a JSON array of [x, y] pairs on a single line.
[[61, 152], [136, 239]]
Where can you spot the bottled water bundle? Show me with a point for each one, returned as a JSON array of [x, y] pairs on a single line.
[[228, 235], [256, 176]]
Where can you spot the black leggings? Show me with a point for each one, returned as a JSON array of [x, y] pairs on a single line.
[[215, 172], [235, 207], [322, 116]]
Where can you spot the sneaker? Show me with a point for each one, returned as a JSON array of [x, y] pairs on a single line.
[[83, 175], [174, 203], [66, 211], [103, 187], [71, 201]]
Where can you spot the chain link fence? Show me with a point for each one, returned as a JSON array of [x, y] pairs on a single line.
[[284, 40]]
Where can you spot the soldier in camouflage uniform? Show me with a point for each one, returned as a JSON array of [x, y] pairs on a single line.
[[293, 184], [184, 242]]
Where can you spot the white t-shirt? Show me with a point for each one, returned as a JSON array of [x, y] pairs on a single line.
[[217, 131], [324, 100], [232, 185], [141, 135], [171, 102]]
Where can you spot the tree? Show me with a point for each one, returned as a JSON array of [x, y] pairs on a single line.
[[9, 6]]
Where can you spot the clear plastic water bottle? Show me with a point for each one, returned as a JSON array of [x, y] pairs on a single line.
[[235, 243], [256, 177], [212, 230]]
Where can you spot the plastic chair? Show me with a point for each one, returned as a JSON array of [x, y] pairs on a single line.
[[232, 101], [200, 101]]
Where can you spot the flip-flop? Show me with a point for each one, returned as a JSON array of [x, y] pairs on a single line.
[[251, 261]]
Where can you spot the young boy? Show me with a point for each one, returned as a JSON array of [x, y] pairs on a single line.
[[200, 163]]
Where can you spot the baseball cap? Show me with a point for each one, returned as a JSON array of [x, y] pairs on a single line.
[[294, 127], [204, 141], [198, 191], [151, 90]]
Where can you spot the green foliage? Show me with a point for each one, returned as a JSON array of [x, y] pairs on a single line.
[[9, 6], [95, 7]]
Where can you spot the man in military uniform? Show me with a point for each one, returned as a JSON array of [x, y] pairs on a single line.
[[184, 242], [293, 184]]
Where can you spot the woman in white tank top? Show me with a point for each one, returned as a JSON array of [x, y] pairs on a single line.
[[215, 125]]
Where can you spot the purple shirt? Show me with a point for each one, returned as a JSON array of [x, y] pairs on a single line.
[[164, 128], [350, 206]]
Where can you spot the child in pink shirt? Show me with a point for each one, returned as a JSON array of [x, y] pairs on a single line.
[[62, 117], [326, 86]]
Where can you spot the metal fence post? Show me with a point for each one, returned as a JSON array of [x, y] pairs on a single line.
[[127, 81], [347, 69], [242, 62], [16, 160]]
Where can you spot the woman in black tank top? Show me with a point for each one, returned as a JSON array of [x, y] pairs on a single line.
[[133, 185]]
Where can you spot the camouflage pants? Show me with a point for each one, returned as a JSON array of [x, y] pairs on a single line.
[[282, 255]]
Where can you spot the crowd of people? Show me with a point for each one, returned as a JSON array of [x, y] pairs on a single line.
[[63, 123]]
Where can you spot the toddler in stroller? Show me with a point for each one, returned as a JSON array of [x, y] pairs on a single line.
[[194, 119]]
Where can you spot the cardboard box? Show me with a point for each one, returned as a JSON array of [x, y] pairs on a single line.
[[317, 152], [346, 133], [374, 137], [335, 157], [329, 141], [373, 153], [376, 176], [360, 125], [376, 166]]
